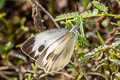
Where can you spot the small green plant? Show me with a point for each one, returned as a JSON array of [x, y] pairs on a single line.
[[75, 18], [70, 19], [29, 77]]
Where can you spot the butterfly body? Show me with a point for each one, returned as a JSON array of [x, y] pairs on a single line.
[[51, 49]]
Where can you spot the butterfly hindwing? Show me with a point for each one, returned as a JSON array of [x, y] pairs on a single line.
[[37, 45], [58, 54]]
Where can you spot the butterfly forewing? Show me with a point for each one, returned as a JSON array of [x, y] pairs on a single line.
[[37, 45], [58, 54]]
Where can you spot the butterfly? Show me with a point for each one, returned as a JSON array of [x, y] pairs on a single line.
[[51, 49]]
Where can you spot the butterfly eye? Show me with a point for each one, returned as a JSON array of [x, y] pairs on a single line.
[[41, 48]]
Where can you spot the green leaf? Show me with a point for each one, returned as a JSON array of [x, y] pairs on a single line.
[[119, 46], [79, 22], [85, 2], [8, 46], [29, 77], [105, 23], [2, 14], [2, 3], [118, 23], [19, 62], [112, 52], [67, 16], [69, 25], [34, 67], [89, 13], [100, 38], [82, 41], [100, 6], [25, 28], [110, 28], [22, 22]]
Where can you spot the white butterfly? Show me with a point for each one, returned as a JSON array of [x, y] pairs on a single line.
[[51, 49]]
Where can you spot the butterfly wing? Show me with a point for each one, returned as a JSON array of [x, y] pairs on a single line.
[[58, 54], [35, 46]]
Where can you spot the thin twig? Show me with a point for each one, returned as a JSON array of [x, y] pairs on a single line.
[[37, 18], [65, 74], [84, 73], [112, 35], [95, 73], [8, 72], [42, 8], [4, 76], [4, 68], [80, 66]]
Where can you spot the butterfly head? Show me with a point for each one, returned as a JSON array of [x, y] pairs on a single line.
[[75, 31]]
